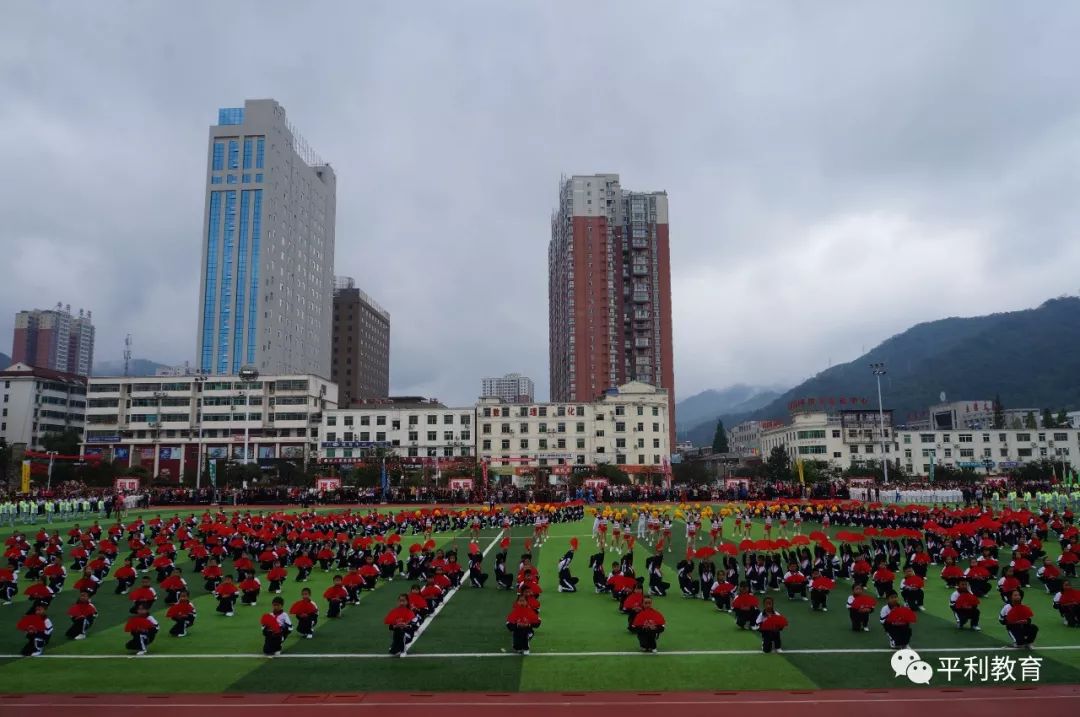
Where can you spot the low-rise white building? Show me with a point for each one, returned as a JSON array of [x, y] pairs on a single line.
[[36, 401], [626, 428], [163, 423], [414, 429], [844, 439], [744, 439], [992, 451]]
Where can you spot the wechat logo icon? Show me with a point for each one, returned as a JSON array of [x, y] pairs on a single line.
[[907, 663]]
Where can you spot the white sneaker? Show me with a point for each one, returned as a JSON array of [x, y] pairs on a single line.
[[309, 636], [824, 609], [524, 652], [228, 614], [80, 637], [779, 651], [977, 628], [39, 653], [140, 652], [866, 629]]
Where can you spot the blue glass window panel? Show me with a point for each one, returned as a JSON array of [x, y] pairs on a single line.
[[230, 179], [219, 157], [230, 115], [246, 178], [224, 315], [234, 154], [210, 294], [260, 152], [247, 152], [241, 275], [258, 178], [256, 228], [216, 179]]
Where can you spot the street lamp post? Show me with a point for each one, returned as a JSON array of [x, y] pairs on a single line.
[[248, 375], [52, 456], [879, 371], [198, 384]]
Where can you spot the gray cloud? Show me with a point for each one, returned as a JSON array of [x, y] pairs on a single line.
[[836, 172]]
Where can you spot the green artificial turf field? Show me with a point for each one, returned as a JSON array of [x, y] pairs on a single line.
[[583, 643]]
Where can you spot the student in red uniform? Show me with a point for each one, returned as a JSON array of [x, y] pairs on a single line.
[[897, 621], [276, 626], [125, 577], [182, 613], [173, 586], [522, 622], [143, 628], [965, 606], [369, 574], [276, 576], [249, 587], [212, 575], [226, 594], [745, 606], [911, 589], [38, 629], [632, 605], [39, 594], [770, 623], [820, 587], [647, 624], [82, 614], [795, 582], [142, 596], [88, 582], [307, 614], [417, 603], [303, 565], [721, 593], [1018, 621], [883, 579], [402, 623], [1050, 576], [860, 605], [952, 573], [8, 586], [336, 595]]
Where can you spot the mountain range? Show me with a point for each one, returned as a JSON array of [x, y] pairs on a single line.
[[1029, 358], [137, 367], [704, 407]]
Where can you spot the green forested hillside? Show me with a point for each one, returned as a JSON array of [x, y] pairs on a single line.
[[1029, 358]]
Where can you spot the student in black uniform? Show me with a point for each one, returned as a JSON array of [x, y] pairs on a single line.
[[567, 582]]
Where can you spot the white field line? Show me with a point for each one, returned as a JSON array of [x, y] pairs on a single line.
[[454, 655], [593, 701], [431, 618]]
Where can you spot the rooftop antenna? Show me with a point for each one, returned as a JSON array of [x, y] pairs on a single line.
[[127, 354]]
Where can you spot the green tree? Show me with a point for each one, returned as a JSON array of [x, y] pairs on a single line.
[[692, 472], [66, 443], [1029, 420], [1048, 419], [613, 474], [1062, 419], [778, 465], [719, 441], [999, 413], [1016, 424]]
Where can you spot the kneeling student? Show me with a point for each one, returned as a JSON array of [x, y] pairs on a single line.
[[1018, 621], [182, 613], [38, 629], [307, 614], [770, 623], [143, 628], [648, 624], [402, 622], [522, 622], [276, 626], [897, 621], [82, 614]]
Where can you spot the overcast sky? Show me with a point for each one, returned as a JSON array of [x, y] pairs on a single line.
[[836, 171]]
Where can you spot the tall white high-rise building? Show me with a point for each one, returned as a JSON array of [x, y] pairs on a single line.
[[512, 388], [267, 282]]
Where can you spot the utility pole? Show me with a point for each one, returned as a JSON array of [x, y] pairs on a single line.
[[879, 371]]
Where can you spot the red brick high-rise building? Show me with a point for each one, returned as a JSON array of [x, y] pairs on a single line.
[[54, 339], [609, 290]]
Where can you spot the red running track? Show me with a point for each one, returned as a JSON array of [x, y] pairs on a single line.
[[930, 702]]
